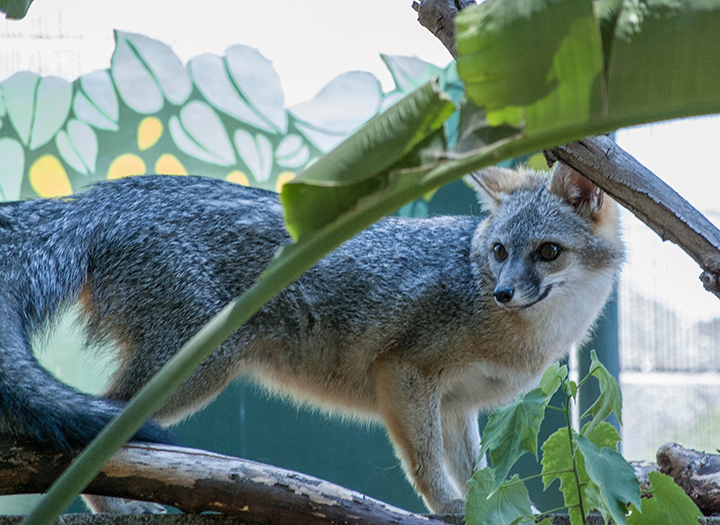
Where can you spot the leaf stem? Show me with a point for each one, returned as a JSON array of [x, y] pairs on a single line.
[[574, 460]]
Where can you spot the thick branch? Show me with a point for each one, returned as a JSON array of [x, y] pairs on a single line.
[[649, 198], [438, 17], [696, 472], [196, 480]]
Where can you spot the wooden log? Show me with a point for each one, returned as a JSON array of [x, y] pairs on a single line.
[[196, 481]]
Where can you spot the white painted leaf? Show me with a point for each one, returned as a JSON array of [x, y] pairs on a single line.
[[136, 85], [259, 83], [391, 98], [19, 94], [78, 146], [52, 105], [87, 112], [410, 73], [324, 141], [164, 65], [256, 152], [342, 106], [292, 152], [68, 153], [100, 92], [200, 133], [211, 78], [12, 168]]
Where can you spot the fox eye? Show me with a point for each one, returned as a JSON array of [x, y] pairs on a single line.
[[548, 251], [500, 252]]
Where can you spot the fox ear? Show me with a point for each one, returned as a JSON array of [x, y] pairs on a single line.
[[576, 190], [490, 184]]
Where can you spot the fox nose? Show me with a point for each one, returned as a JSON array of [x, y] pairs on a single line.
[[504, 295]]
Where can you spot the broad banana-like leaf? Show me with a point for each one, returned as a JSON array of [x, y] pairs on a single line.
[[564, 69]]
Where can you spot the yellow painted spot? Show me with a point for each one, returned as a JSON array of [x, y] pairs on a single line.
[[48, 177], [238, 177], [283, 178], [149, 132], [126, 165], [168, 164]]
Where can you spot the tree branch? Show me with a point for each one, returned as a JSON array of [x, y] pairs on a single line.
[[196, 481], [438, 17]]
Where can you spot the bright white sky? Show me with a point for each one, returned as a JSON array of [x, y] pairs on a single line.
[[310, 43]]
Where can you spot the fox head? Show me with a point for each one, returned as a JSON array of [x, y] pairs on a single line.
[[546, 237]]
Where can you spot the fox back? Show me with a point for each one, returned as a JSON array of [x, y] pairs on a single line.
[[417, 323]]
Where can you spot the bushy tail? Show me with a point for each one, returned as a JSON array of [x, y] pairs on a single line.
[[34, 405]]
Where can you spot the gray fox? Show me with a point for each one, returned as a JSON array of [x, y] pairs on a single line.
[[418, 323]]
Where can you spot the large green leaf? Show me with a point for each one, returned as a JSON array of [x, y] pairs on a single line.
[[610, 398], [512, 431], [554, 67], [669, 505], [15, 8], [528, 61], [557, 463], [487, 505], [613, 477], [362, 164]]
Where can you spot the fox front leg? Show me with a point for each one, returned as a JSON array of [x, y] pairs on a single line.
[[409, 403], [461, 440]]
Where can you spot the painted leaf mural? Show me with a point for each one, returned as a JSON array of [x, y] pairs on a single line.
[[219, 116]]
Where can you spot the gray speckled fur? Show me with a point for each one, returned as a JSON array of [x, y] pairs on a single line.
[[397, 324]]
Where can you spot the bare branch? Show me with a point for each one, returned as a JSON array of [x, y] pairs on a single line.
[[696, 472], [438, 17], [195, 481]]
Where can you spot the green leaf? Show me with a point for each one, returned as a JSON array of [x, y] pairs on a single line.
[[361, 164], [487, 506], [614, 477], [552, 378], [672, 500], [610, 399], [512, 431], [602, 435], [557, 464], [664, 59], [15, 9], [528, 61], [651, 514], [554, 66]]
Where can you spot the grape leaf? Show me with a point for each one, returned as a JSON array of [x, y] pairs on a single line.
[[487, 506], [614, 477], [512, 431], [610, 399]]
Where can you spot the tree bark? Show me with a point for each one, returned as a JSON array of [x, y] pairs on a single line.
[[196, 480], [696, 472]]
